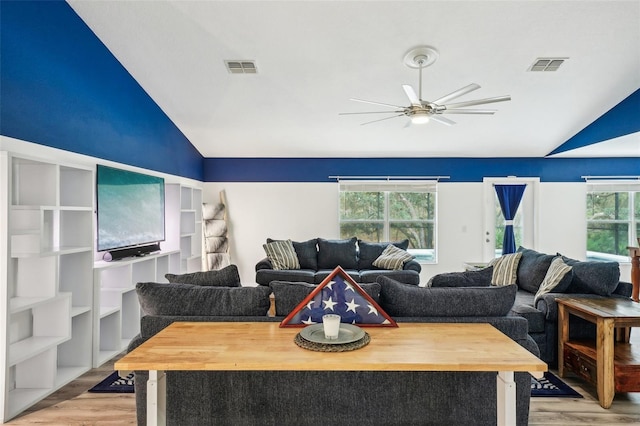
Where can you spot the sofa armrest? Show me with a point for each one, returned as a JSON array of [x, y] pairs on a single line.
[[264, 264], [624, 289], [412, 265]]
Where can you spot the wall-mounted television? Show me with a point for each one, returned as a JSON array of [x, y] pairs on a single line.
[[130, 209]]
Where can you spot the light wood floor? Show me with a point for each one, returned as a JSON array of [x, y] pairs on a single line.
[[74, 406]]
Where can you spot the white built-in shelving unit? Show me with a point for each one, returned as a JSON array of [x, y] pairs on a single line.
[[63, 312], [47, 263], [117, 312], [190, 229]]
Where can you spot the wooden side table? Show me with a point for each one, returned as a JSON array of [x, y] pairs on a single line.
[[634, 253], [610, 362]]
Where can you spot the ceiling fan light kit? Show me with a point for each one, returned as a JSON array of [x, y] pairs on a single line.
[[421, 111]]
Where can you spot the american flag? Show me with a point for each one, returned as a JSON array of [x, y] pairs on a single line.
[[338, 296]]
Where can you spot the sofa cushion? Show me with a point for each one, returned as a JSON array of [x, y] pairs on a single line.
[[265, 276], [306, 251], [557, 279], [193, 300], [324, 273], [405, 300], [403, 276], [392, 258], [532, 269], [480, 278], [332, 253], [505, 269], [593, 277], [369, 251], [225, 277], [282, 255], [287, 295]]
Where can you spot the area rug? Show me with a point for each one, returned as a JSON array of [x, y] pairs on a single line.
[[115, 384], [552, 386], [549, 385]]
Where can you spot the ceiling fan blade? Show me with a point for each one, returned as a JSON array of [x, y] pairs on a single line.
[[377, 103], [457, 93], [470, 111], [411, 94], [370, 112], [442, 120], [382, 119], [479, 102]]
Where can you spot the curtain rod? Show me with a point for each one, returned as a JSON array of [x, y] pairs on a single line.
[[389, 178], [611, 177]]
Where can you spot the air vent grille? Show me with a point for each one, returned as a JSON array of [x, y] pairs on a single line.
[[547, 64], [241, 67]]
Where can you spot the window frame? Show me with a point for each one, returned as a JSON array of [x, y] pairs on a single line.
[[388, 187], [632, 189]]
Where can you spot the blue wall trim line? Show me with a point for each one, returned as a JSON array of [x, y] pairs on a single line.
[[459, 169]]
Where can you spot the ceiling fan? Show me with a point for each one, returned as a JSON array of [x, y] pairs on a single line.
[[421, 111]]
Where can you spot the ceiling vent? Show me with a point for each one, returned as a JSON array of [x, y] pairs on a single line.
[[547, 64], [241, 67]]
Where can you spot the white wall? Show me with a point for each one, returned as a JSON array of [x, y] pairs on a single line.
[[301, 211]]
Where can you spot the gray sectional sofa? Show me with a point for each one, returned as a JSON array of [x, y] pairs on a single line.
[[585, 280], [318, 257], [358, 397]]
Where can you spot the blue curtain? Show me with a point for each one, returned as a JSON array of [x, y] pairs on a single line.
[[509, 197]]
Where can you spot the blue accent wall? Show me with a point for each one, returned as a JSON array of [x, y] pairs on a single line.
[[622, 119], [61, 87], [459, 169]]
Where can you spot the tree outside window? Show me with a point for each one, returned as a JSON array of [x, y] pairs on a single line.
[[613, 221], [394, 214]]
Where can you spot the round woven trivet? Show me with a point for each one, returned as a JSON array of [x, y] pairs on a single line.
[[323, 347]]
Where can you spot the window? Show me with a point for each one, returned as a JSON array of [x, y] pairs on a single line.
[[613, 219], [391, 211]]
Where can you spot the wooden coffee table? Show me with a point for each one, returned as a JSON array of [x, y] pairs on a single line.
[[215, 346], [609, 362]]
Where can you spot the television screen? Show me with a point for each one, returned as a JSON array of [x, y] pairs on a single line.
[[130, 208]]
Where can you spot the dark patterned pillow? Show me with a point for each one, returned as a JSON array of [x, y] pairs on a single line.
[[332, 253], [368, 252], [225, 277], [593, 277], [532, 269], [196, 300]]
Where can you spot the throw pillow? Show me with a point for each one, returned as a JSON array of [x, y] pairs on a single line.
[[392, 258], [532, 269], [558, 278], [481, 278], [505, 269], [368, 252], [600, 278], [196, 300], [332, 253], [282, 255], [225, 277], [405, 300], [287, 295], [306, 251]]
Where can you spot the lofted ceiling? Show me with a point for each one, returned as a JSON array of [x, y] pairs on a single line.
[[312, 56]]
